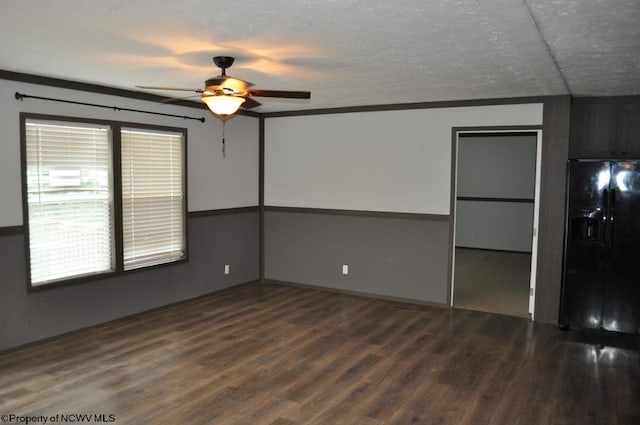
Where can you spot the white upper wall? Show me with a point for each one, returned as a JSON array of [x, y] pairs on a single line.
[[395, 161], [214, 182]]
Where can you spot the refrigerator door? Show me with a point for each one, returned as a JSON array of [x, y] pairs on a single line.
[[621, 305], [586, 239]]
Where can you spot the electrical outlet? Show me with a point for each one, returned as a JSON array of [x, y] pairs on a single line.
[[226, 269], [345, 269]]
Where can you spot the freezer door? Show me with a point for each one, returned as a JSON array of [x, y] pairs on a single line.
[[621, 306], [585, 249]]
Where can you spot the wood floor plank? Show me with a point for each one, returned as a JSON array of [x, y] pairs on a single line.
[[285, 355]]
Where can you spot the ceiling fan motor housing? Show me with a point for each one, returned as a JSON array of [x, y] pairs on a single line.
[[213, 83]]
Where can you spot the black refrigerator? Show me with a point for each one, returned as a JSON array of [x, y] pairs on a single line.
[[601, 282]]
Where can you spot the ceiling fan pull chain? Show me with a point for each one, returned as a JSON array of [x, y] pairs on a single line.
[[223, 144]]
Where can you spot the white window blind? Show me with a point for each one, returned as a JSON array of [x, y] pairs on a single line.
[[152, 197], [69, 200]]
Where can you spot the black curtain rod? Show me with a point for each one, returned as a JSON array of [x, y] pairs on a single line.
[[21, 96]]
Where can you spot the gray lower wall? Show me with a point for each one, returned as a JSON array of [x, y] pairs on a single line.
[[214, 240], [387, 256]]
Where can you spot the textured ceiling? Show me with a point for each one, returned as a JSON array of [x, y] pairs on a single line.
[[346, 52]]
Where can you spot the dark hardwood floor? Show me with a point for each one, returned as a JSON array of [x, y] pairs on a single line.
[[275, 354]]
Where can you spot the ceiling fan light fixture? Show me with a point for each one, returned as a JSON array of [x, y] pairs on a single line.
[[223, 104], [224, 94]]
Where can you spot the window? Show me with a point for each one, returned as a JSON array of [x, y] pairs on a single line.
[[101, 198], [70, 200], [152, 198]]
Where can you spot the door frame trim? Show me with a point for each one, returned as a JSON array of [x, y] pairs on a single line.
[[501, 131]]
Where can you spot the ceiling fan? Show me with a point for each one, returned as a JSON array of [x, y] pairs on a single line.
[[224, 94]]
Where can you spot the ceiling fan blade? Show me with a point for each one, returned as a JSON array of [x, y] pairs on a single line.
[[250, 103], [281, 93], [178, 99], [169, 88]]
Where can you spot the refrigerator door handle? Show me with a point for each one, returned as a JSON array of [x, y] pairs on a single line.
[[605, 217], [612, 213]]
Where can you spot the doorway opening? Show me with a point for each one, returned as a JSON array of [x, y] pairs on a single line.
[[495, 217]]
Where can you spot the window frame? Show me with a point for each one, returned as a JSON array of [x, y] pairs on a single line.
[[116, 167]]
